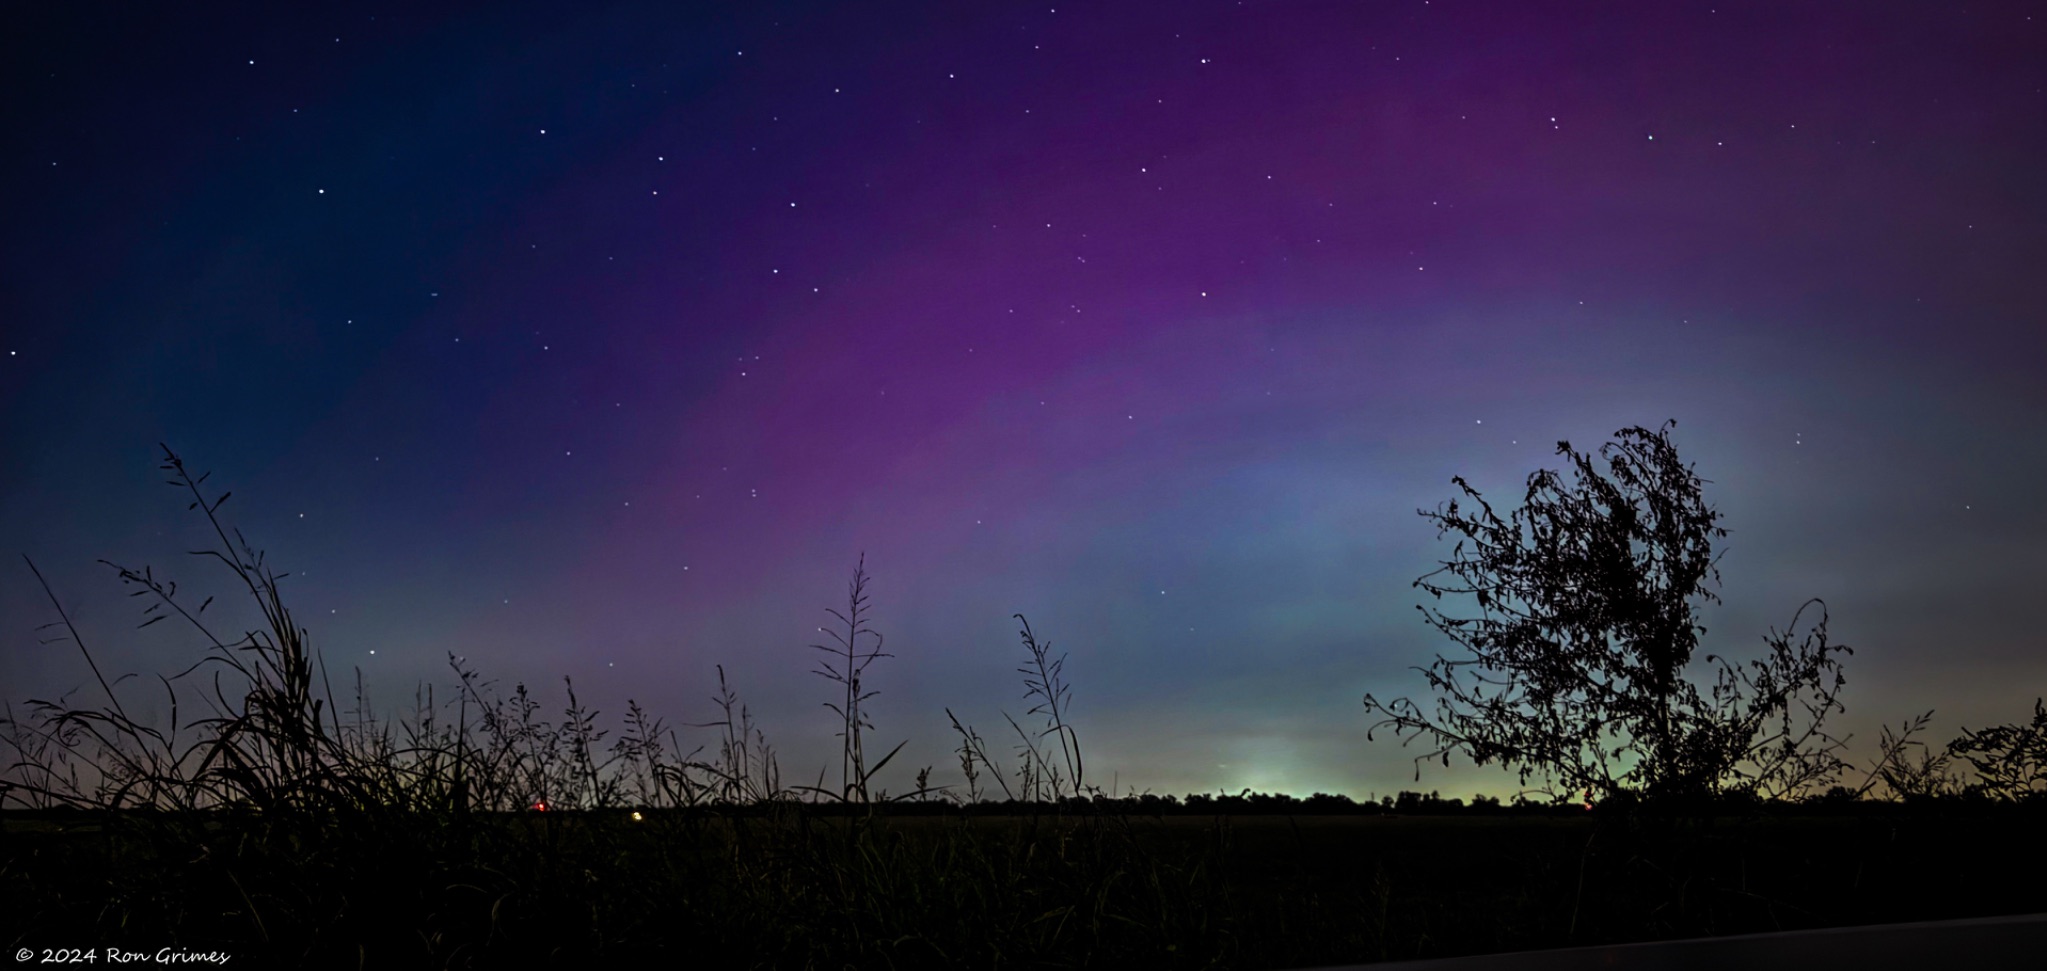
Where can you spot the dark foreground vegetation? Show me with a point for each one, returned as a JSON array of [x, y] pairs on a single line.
[[485, 830], [819, 891]]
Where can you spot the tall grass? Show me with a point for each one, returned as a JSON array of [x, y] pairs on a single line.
[[472, 823], [854, 771]]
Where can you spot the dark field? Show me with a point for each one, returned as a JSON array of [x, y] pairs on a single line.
[[1169, 891]]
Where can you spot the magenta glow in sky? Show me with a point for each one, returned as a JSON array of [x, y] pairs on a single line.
[[601, 340]]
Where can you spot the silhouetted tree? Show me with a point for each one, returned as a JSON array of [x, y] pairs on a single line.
[[1584, 632], [1325, 802]]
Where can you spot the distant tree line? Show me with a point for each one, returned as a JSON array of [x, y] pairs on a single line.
[[1835, 800]]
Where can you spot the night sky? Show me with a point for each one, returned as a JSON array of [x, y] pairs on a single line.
[[602, 340]]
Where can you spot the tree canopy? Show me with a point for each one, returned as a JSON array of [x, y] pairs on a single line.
[[1585, 629]]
